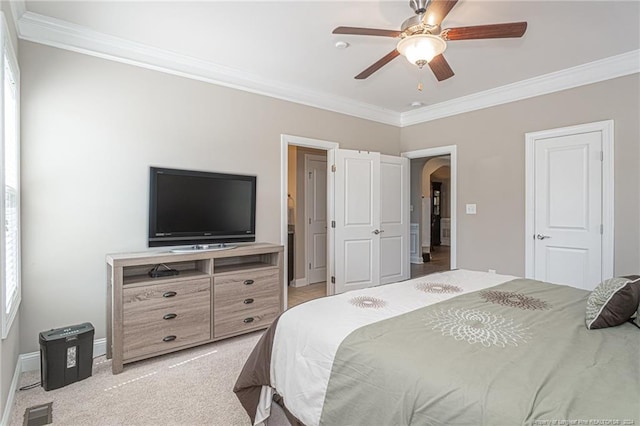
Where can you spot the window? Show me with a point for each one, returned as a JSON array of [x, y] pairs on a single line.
[[9, 181]]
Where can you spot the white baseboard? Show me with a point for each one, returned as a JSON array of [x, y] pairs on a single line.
[[417, 260], [31, 362], [11, 396], [300, 282]]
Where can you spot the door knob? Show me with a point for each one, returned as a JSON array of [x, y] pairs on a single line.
[[542, 237]]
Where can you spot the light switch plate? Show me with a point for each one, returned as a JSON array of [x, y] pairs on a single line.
[[471, 209]]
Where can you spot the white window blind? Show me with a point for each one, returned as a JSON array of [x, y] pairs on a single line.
[[9, 182], [10, 188]]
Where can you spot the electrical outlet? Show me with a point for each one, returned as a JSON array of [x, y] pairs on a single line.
[[492, 271], [471, 209]]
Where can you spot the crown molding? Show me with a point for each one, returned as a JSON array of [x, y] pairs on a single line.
[[589, 73], [65, 35]]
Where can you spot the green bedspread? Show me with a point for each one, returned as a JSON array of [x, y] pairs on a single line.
[[518, 353]]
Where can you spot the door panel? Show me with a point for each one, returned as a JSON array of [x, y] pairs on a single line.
[[568, 209], [357, 216], [568, 198], [319, 259], [566, 265], [394, 219], [359, 187], [391, 259], [358, 256]]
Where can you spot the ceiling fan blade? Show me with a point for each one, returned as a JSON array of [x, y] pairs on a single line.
[[441, 68], [366, 31], [510, 30], [437, 11], [379, 64]]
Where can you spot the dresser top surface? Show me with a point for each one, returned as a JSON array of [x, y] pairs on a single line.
[[166, 255]]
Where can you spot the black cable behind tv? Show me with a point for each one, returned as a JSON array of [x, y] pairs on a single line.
[[156, 272]]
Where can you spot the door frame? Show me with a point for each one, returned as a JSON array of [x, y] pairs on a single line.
[[607, 129], [307, 201], [330, 147], [452, 151]]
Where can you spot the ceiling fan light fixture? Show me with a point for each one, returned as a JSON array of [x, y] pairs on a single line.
[[419, 49]]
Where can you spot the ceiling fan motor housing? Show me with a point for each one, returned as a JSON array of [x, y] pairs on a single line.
[[416, 25]]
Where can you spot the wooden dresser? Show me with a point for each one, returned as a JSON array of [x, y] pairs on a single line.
[[217, 294]]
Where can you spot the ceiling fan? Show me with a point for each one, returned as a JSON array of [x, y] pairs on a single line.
[[422, 41]]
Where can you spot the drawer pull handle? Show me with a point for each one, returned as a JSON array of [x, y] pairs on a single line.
[[169, 338], [169, 294], [248, 320], [248, 282], [169, 316], [248, 301]]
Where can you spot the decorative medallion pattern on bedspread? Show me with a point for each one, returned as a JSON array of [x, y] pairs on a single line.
[[367, 302], [514, 300], [438, 288], [474, 326]]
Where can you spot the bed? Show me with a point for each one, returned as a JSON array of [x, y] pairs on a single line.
[[453, 348]]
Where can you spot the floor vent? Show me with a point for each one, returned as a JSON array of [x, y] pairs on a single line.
[[38, 415]]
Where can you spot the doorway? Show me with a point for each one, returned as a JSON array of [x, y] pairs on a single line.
[[304, 207], [431, 196], [433, 209], [307, 224]]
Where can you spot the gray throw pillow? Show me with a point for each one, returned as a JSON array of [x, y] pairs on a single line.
[[613, 302]]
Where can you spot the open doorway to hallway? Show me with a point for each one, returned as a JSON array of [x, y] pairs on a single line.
[[306, 224], [431, 201]]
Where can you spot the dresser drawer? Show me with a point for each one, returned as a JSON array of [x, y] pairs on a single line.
[[236, 322], [160, 318], [240, 306], [244, 284]]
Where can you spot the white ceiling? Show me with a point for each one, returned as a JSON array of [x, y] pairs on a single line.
[[288, 44]]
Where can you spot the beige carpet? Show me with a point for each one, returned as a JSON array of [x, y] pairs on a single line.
[[190, 387]]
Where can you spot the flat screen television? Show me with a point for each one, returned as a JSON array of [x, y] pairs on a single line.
[[193, 208]]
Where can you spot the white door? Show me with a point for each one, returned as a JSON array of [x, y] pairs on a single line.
[[357, 217], [394, 219], [568, 209], [316, 217]]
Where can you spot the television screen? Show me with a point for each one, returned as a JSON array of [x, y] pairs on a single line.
[[191, 207]]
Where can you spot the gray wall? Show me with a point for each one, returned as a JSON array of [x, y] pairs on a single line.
[[491, 161], [9, 347], [92, 128]]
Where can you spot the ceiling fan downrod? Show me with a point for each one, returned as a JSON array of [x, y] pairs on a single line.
[[419, 6]]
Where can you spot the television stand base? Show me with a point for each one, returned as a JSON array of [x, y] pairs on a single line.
[[204, 247]]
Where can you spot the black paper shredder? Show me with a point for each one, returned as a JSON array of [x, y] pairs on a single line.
[[66, 355]]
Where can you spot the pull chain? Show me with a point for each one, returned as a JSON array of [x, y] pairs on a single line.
[[420, 75]]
